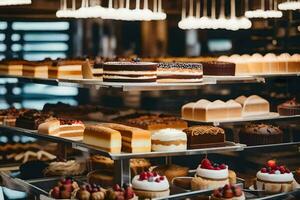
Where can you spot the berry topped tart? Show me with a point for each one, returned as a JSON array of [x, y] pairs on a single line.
[[274, 178], [228, 192], [150, 185], [123, 193], [90, 191], [66, 189], [211, 175]]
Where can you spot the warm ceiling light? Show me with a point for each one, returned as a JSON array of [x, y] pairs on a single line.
[[14, 2], [271, 12], [289, 5]]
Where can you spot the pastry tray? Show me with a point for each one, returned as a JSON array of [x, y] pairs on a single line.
[[266, 117], [229, 146]]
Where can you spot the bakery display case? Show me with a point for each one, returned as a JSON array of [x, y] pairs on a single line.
[[152, 107]]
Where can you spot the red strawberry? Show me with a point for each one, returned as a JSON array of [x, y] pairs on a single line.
[[238, 191], [217, 193], [117, 188], [263, 170], [129, 194], [272, 164], [228, 193], [217, 168], [155, 174], [272, 172], [223, 166], [161, 178], [55, 193]]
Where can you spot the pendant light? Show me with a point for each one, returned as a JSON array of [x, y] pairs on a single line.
[[289, 5], [14, 2], [271, 12]]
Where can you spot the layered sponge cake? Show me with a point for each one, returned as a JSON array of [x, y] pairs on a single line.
[[130, 72], [12, 67]]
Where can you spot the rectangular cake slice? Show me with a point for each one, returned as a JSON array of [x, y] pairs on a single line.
[[253, 105], [105, 138], [66, 69], [134, 140]]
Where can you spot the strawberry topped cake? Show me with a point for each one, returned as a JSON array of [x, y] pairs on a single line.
[[228, 192], [211, 175], [274, 178], [150, 185]]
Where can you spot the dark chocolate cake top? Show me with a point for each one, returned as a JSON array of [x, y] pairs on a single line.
[[291, 103], [202, 130], [170, 65], [261, 129]]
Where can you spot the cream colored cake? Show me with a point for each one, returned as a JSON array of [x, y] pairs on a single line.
[[253, 105], [103, 137], [37, 69], [134, 140], [66, 69], [283, 60], [255, 65]]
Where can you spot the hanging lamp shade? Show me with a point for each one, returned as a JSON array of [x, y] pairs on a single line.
[[289, 5], [14, 2]]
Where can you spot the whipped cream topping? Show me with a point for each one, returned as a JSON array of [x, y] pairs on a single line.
[[278, 178], [212, 174], [150, 186], [169, 134]]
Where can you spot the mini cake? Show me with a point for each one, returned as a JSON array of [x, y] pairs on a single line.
[[260, 134], [168, 140], [104, 178], [179, 72], [37, 69], [291, 107], [211, 176], [69, 129], [228, 192], [117, 192], [149, 185], [130, 72], [283, 60], [171, 171], [9, 116], [66, 69], [31, 119], [253, 105], [68, 168], [103, 137], [274, 179], [153, 122], [218, 68], [11, 67], [204, 136], [204, 110], [90, 192], [66, 189], [134, 140]]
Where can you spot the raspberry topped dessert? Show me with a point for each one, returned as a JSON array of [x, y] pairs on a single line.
[[228, 192], [150, 185], [211, 175], [274, 178], [291, 107], [66, 189], [92, 192], [125, 193]]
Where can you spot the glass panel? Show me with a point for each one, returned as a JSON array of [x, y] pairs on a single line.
[[40, 26], [46, 47], [41, 56], [46, 37]]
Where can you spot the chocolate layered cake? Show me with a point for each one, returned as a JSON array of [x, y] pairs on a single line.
[[130, 72], [8, 117], [204, 136], [218, 68], [98, 68], [67, 69], [32, 119], [260, 134], [291, 107], [153, 122], [37, 69], [12, 67], [173, 72]]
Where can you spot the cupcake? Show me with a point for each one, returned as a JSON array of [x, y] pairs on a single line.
[[260, 134], [291, 107], [150, 185]]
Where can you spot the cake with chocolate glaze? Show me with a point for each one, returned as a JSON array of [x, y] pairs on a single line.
[[291, 107], [228, 192], [32, 119], [260, 134], [173, 72], [204, 136], [218, 68], [130, 72]]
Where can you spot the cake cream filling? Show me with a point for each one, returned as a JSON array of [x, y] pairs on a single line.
[[169, 134], [158, 147], [150, 186], [276, 178], [179, 73], [67, 68], [100, 142], [105, 76], [212, 174], [106, 72]]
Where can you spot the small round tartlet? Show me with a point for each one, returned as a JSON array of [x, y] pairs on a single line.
[[228, 192], [169, 140], [150, 185]]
